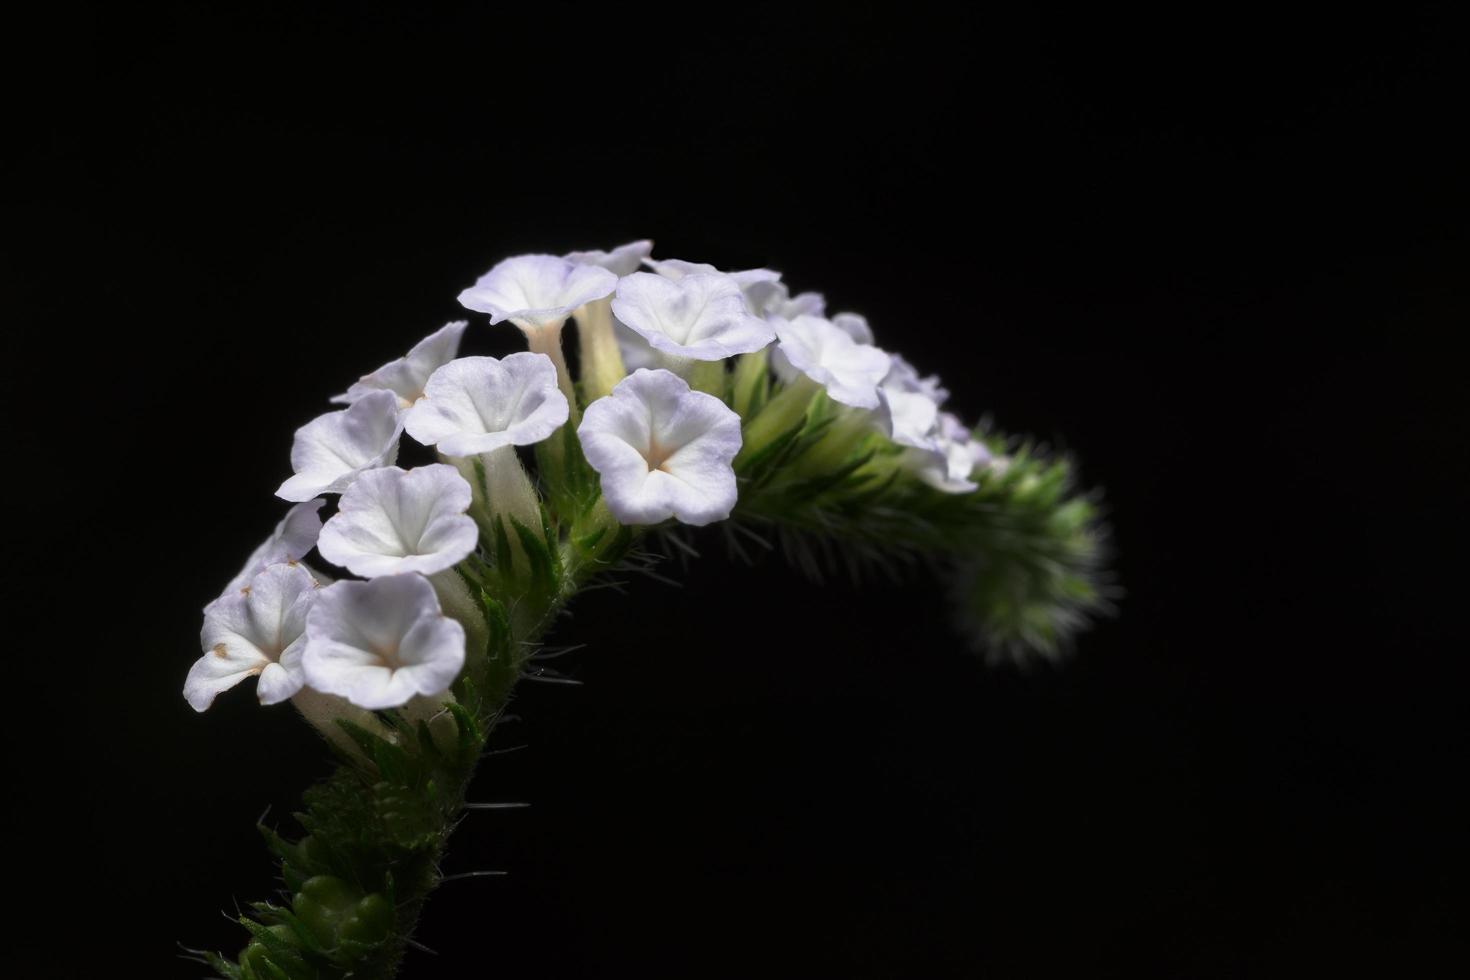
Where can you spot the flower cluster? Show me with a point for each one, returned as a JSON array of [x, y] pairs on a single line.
[[685, 374]]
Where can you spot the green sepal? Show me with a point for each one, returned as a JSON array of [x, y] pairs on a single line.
[[273, 942], [309, 939], [567, 481], [468, 729], [392, 762], [818, 485], [370, 922], [544, 561], [763, 461], [750, 384], [766, 464], [223, 966], [504, 558]]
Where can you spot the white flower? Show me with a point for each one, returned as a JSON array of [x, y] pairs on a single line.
[[379, 643], [956, 455], [755, 284], [291, 540], [814, 347], [332, 449], [537, 291], [662, 450], [621, 261], [852, 324], [855, 325], [909, 413], [678, 269], [700, 316], [771, 297], [478, 404], [903, 376], [256, 631], [908, 417], [394, 521], [405, 377]]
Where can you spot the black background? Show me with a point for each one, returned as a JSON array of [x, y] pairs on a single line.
[[1220, 258]]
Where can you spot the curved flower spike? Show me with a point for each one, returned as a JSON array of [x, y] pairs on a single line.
[[332, 449], [848, 370], [478, 404], [289, 542], [662, 450], [537, 291], [701, 316], [405, 377], [394, 521], [379, 643], [256, 631], [621, 261]]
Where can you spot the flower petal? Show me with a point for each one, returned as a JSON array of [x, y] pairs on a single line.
[[248, 631], [855, 325], [908, 418], [381, 642], [332, 449], [954, 458], [903, 376], [478, 404], [621, 261], [405, 376], [394, 521], [773, 298], [662, 450], [289, 542], [848, 370], [700, 315], [537, 290], [755, 284]]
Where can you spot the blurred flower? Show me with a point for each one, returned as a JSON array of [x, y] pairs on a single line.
[[903, 376], [814, 347], [954, 458], [855, 325], [621, 261], [908, 417], [771, 297]]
